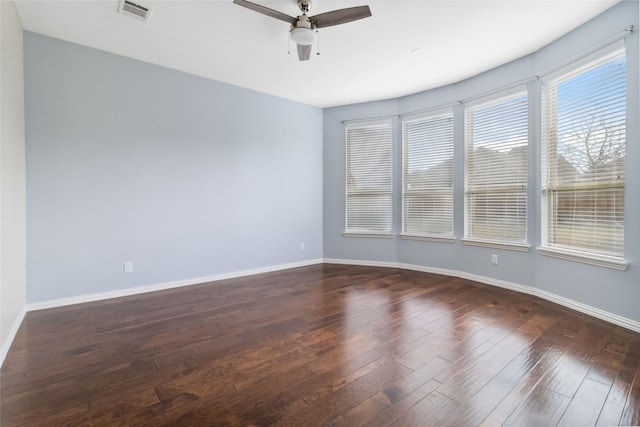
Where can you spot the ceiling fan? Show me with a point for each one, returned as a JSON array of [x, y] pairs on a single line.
[[303, 26]]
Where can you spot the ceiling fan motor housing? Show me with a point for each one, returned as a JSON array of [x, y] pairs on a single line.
[[302, 31], [303, 21]]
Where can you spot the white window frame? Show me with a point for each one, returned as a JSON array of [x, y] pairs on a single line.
[[549, 83], [443, 136], [521, 245], [383, 167]]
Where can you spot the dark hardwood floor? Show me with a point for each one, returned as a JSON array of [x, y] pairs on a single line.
[[322, 345]]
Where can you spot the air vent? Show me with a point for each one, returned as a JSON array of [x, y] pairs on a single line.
[[134, 10]]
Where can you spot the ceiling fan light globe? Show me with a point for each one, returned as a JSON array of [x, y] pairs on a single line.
[[303, 36]]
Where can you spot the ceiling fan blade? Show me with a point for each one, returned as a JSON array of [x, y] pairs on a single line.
[[265, 11], [340, 16], [304, 52]]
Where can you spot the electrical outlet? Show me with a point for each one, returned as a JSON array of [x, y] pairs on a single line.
[[302, 246], [128, 267], [494, 259]]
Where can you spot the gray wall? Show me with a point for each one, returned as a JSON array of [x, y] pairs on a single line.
[[183, 176], [12, 171], [617, 292]]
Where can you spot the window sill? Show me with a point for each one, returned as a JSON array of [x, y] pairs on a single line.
[[428, 238], [520, 247], [599, 260], [369, 235]]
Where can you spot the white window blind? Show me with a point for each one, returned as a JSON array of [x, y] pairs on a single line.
[[583, 155], [369, 177], [496, 145], [427, 175]]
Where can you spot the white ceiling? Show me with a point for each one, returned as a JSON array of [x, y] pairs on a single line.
[[366, 60]]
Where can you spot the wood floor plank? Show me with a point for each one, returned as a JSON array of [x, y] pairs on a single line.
[[524, 387], [543, 407], [586, 405], [469, 380], [432, 410], [398, 408], [631, 413], [614, 404], [326, 403], [388, 403], [321, 345], [475, 409]]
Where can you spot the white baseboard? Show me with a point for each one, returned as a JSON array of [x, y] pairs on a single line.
[[583, 308], [566, 302], [6, 345], [60, 302]]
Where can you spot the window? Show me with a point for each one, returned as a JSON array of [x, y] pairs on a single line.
[[427, 175], [369, 178], [496, 145], [583, 159]]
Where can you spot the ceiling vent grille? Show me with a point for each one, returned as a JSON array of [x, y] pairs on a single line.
[[134, 10]]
